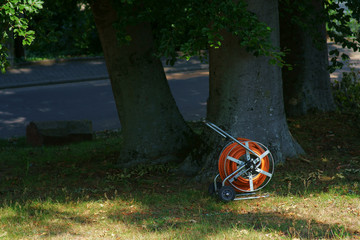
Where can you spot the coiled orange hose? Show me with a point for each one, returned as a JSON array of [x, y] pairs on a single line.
[[227, 167]]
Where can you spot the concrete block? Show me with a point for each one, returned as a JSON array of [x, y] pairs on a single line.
[[58, 132]]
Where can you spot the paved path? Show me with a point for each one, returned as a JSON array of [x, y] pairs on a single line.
[[78, 70], [66, 71], [33, 92], [90, 100]]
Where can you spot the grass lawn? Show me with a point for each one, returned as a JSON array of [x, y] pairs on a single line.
[[76, 192]]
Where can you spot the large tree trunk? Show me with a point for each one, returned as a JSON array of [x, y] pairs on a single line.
[[153, 129], [307, 86], [246, 92]]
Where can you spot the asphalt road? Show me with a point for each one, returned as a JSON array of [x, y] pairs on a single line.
[[91, 100]]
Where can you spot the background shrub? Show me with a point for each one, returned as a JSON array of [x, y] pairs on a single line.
[[64, 28], [347, 93]]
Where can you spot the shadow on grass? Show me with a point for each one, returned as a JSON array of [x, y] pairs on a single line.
[[189, 214], [48, 196], [49, 199], [201, 217], [32, 219], [151, 204], [210, 225]]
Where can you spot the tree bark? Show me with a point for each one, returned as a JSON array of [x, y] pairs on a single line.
[[19, 51], [153, 129], [306, 87], [245, 96]]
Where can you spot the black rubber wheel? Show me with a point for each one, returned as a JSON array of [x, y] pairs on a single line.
[[226, 194], [211, 189]]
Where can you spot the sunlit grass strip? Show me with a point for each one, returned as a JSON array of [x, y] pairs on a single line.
[[277, 217]]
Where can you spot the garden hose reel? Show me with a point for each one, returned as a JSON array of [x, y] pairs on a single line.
[[245, 167]]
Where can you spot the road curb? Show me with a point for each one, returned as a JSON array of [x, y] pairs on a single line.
[[42, 83]]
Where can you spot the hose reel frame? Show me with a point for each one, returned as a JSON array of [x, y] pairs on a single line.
[[245, 167]]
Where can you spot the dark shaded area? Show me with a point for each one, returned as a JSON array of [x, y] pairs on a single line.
[[64, 28]]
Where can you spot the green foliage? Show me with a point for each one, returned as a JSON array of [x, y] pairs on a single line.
[[304, 13], [15, 21], [191, 26], [64, 28], [342, 27], [347, 93]]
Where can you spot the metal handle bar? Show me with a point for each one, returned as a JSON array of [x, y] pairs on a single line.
[[226, 135]]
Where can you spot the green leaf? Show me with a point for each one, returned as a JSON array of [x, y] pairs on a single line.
[[128, 38], [345, 57]]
